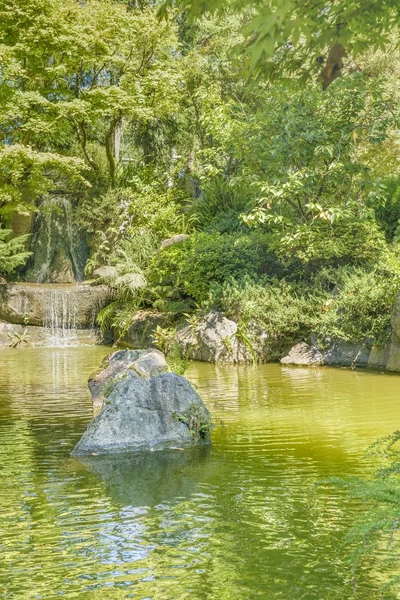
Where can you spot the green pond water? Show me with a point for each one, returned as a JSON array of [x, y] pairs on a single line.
[[242, 519]]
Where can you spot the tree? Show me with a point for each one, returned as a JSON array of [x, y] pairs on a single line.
[[74, 75], [289, 36]]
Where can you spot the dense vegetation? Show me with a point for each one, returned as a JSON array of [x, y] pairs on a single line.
[[286, 181], [157, 127], [160, 127]]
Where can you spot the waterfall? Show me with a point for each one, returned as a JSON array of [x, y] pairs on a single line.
[[61, 318], [60, 249]]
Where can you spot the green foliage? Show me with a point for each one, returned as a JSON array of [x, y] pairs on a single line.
[[284, 311], [18, 339], [163, 338], [12, 251], [186, 270], [362, 306], [310, 247], [285, 37], [348, 303], [388, 212], [197, 420], [375, 535], [220, 206], [176, 362]]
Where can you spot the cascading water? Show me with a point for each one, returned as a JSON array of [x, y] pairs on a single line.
[[53, 299], [61, 318], [60, 249]]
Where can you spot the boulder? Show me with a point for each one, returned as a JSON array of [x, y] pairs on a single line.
[[213, 339], [393, 363], [303, 354], [40, 304], [347, 354], [114, 367], [176, 239], [144, 409], [62, 269], [338, 353], [379, 357], [143, 326]]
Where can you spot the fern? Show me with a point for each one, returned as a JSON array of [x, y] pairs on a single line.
[[175, 361], [12, 251]]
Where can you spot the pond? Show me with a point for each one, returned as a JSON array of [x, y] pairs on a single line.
[[242, 519]]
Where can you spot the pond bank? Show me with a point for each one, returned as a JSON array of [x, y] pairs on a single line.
[[216, 339]]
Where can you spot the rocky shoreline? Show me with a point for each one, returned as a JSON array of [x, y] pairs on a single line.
[[217, 339]]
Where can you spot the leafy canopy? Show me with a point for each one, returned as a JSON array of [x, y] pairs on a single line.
[[289, 35]]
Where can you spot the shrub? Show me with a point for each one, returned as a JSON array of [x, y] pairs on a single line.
[[362, 306], [283, 310], [12, 251], [187, 270], [347, 242], [388, 212]]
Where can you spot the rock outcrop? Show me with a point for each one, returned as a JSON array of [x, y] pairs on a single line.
[[393, 363], [145, 407], [213, 339], [176, 239], [146, 363], [143, 326], [35, 304], [303, 354], [338, 353], [216, 339], [21, 336]]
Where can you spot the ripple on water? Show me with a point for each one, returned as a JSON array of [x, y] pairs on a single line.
[[237, 521]]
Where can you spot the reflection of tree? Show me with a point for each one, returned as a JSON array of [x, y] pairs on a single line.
[[237, 521]]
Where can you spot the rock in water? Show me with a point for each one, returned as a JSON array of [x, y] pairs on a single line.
[[145, 407], [114, 367], [303, 354]]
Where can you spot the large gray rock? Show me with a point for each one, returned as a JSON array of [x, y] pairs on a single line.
[[143, 326], [393, 363], [114, 367], [338, 353], [144, 409], [39, 304], [62, 269], [176, 239], [303, 354], [379, 357], [60, 251], [347, 354], [213, 339]]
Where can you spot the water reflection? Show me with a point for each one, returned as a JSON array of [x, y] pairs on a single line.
[[151, 478], [240, 520]]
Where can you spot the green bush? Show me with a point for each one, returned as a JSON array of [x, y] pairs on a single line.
[[12, 251], [348, 304], [347, 242], [362, 306], [388, 212], [187, 270], [283, 310]]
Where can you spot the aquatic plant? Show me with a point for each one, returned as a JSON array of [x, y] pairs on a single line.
[[197, 420], [18, 339]]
